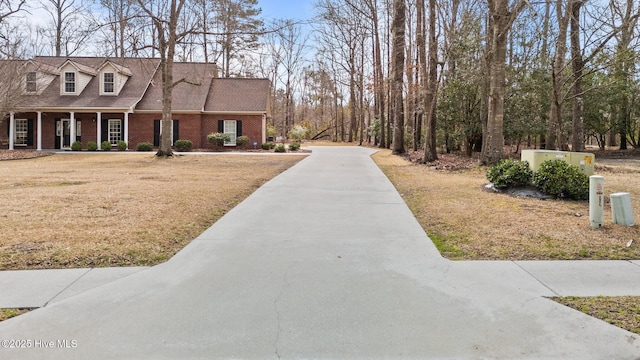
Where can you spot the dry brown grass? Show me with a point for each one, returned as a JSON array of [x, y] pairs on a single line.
[[6, 314], [92, 210], [621, 311], [467, 222]]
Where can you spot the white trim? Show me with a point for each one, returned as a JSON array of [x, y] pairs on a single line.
[[33, 82], [103, 83], [99, 129], [64, 83], [15, 132], [233, 134], [39, 136], [109, 122], [72, 128], [264, 128], [12, 130], [126, 129]]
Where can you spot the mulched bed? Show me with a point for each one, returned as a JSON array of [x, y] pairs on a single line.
[[21, 154], [446, 162]]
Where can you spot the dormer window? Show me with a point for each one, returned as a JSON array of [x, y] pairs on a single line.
[[108, 83], [31, 82], [70, 82]]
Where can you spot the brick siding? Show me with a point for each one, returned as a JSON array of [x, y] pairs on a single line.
[[194, 127]]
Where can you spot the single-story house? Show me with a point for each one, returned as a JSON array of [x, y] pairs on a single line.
[[67, 99]]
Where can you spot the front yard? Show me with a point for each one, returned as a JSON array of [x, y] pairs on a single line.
[[95, 210], [467, 223]]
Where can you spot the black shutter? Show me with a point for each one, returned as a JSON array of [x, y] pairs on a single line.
[[176, 131], [221, 126], [122, 130], [30, 132], [78, 134], [104, 129], [55, 132], [156, 132], [239, 128]]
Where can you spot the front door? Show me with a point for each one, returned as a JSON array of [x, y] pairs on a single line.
[[63, 133]]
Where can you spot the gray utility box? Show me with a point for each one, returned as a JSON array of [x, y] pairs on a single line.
[[621, 209]]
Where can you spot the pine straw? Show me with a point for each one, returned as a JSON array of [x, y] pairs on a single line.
[[467, 222], [93, 210]]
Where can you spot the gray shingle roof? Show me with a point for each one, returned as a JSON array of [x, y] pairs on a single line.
[[134, 89], [237, 94], [196, 91]]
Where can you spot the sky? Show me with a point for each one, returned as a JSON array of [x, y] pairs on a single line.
[[286, 9]]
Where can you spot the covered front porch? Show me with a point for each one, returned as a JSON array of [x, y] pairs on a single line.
[[42, 130]]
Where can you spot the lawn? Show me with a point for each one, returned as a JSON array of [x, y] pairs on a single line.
[[466, 222], [96, 210]]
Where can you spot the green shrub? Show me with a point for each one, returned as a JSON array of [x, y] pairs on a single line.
[[267, 146], [562, 180], [218, 139], [76, 146], [92, 146], [294, 146], [280, 148], [122, 146], [242, 141], [510, 173], [183, 145], [144, 146], [105, 145]]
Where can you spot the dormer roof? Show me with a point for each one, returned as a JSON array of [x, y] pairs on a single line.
[[119, 68], [79, 67], [43, 68]]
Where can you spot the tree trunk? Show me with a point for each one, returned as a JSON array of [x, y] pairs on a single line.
[[430, 99], [578, 65], [555, 131], [398, 30], [501, 18], [379, 76]]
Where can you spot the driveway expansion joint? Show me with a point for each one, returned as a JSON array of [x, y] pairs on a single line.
[[537, 279], [67, 287]]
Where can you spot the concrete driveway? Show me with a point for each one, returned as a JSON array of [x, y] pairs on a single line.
[[327, 262]]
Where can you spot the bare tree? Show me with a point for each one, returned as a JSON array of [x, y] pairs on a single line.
[[10, 7], [628, 13], [343, 33], [369, 10], [117, 27], [11, 69], [70, 25], [166, 19], [292, 43]]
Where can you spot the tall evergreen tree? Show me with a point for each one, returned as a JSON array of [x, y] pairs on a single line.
[[238, 27]]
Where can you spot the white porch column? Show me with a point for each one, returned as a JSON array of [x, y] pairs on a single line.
[[126, 128], [39, 135], [12, 130], [72, 125], [99, 130], [264, 129]]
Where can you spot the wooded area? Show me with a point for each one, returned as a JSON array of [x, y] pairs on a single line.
[[435, 76]]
